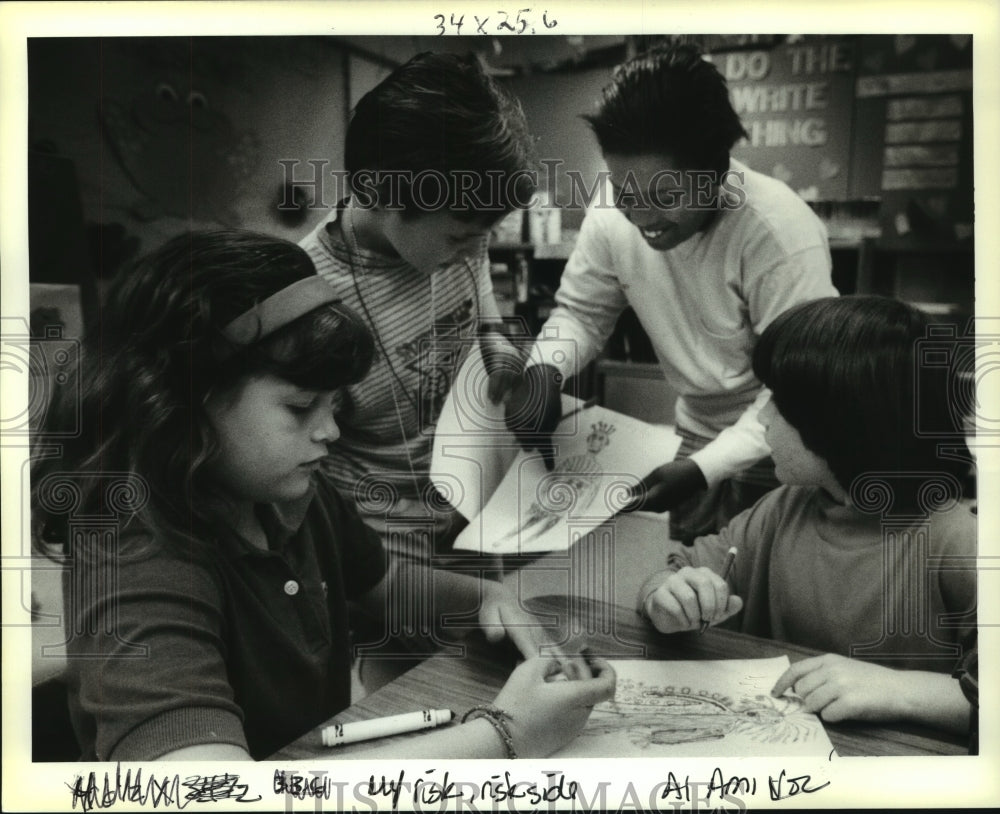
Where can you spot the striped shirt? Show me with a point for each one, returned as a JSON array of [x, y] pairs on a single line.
[[424, 326]]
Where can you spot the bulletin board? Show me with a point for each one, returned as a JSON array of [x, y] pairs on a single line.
[[796, 102], [916, 154], [856, 118]]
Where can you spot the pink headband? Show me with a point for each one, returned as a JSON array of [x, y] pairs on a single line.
[[279, 309]]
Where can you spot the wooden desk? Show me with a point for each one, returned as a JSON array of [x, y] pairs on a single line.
[[607, 564], [612, 631]]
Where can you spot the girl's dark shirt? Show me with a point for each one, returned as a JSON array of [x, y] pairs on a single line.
[[248, 647]]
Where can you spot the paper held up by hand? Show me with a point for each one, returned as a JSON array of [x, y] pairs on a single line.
[[514, 504], [472, 447]]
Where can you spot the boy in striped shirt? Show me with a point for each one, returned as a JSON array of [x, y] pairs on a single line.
[[436, 154]]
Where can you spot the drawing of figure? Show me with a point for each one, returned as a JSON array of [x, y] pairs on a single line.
[[657, 716], [571, 484]]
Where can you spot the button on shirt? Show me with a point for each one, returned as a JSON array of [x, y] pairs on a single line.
[[249, 647]]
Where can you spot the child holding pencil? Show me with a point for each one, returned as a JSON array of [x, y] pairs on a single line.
[[811, 567], [216, 625]]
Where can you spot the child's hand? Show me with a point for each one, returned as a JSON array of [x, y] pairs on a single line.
[[840, 689], [689, 597], [500, 615], [546, 715]]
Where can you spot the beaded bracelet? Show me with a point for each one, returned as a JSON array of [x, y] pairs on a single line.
[[498, 720]]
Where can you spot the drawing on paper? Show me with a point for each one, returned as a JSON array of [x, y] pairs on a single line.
[[659, 716], [700, 709], [515, 506], [572, 485]]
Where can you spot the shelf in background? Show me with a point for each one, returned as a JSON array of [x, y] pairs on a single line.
[[511, 247], [554, 251], [638, 389], [845, 243], [964, 247], [541, 251]]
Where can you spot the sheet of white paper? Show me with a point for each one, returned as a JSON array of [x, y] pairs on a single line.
[[472, 447], [600, 454], [700, 709]]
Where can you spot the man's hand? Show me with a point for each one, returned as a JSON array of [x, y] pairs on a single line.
[[502, 360], [666, 487], [534, 409]]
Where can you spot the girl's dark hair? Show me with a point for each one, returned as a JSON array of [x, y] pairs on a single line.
[[439, 121], [843, 372], [157, 355], [669, 101]]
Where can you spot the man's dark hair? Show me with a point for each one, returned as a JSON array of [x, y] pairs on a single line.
[[441, 115], [669, 101]]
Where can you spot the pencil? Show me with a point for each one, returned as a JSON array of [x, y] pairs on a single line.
[[591, 402], [727, 569]]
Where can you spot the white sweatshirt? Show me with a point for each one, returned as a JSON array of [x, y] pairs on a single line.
[[703, 304]]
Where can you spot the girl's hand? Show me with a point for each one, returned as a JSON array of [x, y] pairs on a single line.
[[839, 688], [500, 615], [547, 714], [688, 597]]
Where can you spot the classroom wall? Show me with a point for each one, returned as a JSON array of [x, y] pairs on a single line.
[[796, 102], [874, 130], [164, 134], [167, 134], [553, 104]]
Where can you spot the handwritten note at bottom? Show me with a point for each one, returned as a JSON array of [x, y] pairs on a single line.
[[700, 709]]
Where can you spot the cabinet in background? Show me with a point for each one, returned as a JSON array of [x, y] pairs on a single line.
[[525, 279]]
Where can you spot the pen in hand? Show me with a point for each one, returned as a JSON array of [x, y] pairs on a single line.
[[573, 668], [727, 569]]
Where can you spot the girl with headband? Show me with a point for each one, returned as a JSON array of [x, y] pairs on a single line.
[[207, 601]]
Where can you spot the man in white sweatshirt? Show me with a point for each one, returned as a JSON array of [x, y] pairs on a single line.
[[707, 252]]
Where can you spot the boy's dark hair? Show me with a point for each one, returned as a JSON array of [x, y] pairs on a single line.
[[435, 126], [842, 371], [159, 353], [669, 101]]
